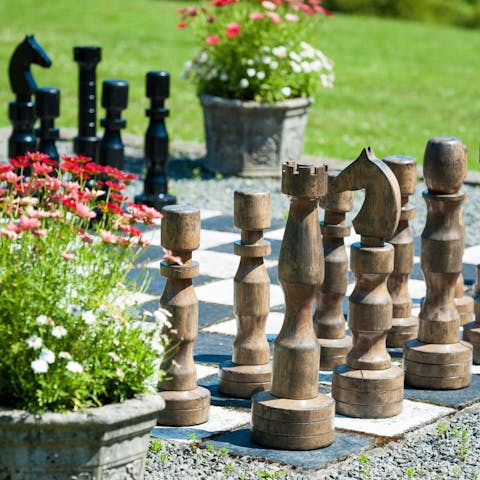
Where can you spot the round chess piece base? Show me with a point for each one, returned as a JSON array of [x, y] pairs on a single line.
[[438, 366], [402, 331], [243, 381], [368, 393], [465, 306], [184, 408], [333, 351], [292, 424], [471, 334], [156, 201]]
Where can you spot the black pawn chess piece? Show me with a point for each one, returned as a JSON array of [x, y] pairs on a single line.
[[47, 102], [21, 112], [86, 142], [156, 144], [114, 99]]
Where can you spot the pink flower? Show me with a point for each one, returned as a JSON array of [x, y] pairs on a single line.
[[68, 255], [274, 17], [291, 17], [233, 30], [27, 223], [41, 168], [40, 232], [256, 16], [109, 237], [212, 40], [269, 5], [10, 234]]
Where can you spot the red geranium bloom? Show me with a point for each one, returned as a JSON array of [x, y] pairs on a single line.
[[212, 40], [233, 30]]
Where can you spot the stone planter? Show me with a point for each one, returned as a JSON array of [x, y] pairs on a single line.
[[103, 443], [253, 139]]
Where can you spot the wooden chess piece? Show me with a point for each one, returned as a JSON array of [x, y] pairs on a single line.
[[471, 331], [328, 320], [250, 370], [185, 402], [368, 385], [464, 303], [437, 359], [404, 324], [293, 415]]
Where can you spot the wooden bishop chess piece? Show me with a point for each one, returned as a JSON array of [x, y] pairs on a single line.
[[250, 370], [293, 415], [471, 331], [437, 359], [404, 324], [328, 319], [185, 402], [368, 385]]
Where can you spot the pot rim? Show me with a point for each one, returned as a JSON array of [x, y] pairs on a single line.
[[207, 99]]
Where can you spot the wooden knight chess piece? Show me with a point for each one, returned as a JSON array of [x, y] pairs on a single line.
[[185, 402], [368, 385], [471, 331], [328, 319], [250, 370], [437, 359], [404, 324], [293, 415]]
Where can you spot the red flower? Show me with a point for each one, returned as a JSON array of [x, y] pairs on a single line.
[[212, 40], [41, 168], [131, 230], [233, 30], [182, 25], [115, 186]]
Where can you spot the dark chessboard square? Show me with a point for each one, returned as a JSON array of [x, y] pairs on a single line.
[[448, 398], [210, 313], [344, 444], [218, 398], [213, 348]]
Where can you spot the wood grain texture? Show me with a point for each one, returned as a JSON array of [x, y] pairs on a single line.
[[471, 331]]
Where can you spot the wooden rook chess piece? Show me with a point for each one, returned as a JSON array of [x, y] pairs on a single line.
[[293, 415], [328, 319], [437, 359], [21, 112], [47, 102], [404, 324], [86, 142], [114, 100], [186, 403], [368, 385], [155, 192], [250, 370], [471, 331]]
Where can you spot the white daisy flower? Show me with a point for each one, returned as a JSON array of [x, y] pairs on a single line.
[[39, 366], [34, 342], [74, 367], [47, 355], [59, 331]]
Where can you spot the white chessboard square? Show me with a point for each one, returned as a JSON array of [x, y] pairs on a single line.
[[476, 369], [229, 327], [204, 371], [213, 238], [222, 292], [413, 415], [274, 234], [472, 255], [220, 420], [206, 214]]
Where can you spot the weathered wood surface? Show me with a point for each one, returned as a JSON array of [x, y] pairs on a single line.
[[471, 331], [370, 304]]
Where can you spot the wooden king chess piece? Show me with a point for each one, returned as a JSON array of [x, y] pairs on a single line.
[[471, 331], [250, 370], [185, 402], [328, 319], [293, 415], [404, 324], [368, 385], [437, 359]]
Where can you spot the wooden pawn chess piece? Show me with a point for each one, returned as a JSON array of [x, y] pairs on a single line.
[[437, 359], [404, 324], [250, 370], [293, 415], [185, 402], [471, 331], [368, 385], [328, 319]]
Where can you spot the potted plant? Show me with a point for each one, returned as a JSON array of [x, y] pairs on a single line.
[[76, 359], [255, 74]]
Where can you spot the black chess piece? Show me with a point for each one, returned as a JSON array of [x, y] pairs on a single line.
[[114, 99], [156, 144], [21, 112], [47, 103], [86, 142]]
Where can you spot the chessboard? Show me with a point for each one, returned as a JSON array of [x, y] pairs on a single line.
[[229, 420]]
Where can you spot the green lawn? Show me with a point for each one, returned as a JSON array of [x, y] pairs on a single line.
[[398, 83]]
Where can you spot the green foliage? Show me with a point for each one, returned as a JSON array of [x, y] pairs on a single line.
[[255, 51], [364, 465], [410, 472], [155, 446], [68, 340], [271, 474], [229, 469], [461, 12]]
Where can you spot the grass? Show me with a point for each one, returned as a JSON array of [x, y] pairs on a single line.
[[398, 83]]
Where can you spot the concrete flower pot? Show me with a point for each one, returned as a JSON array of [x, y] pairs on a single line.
[[253, 139], [103, 443]]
